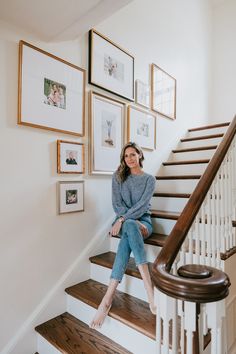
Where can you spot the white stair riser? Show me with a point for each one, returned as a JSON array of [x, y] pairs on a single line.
[[163, 226], [191, 155], [122, 334], [195, 169], [176, 185], [129, 285], [44, 347], [168, 203], [151, 251], [220, 130], [197, 143]]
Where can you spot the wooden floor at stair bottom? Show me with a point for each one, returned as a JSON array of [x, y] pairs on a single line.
[[71, 336]]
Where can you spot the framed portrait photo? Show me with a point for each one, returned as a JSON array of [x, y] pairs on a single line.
[[163, 92], [51, 92], [141, 127], [142, 94], [70, 157], [71, 196], [106, 133], [110, 67]]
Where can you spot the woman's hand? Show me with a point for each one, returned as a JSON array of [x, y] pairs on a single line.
[[143, 229], [116, 228]]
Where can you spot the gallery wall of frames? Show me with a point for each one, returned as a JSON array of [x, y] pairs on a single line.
[[126, 111]]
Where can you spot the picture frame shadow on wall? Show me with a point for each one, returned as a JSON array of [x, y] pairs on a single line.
[[51, 92], [163, 92], [110, 67], [106, 132], [70, 196], [70, 157], [142, 94], [141, 127]]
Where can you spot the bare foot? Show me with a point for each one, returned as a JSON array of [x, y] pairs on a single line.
[[100, 316], [153, 309]]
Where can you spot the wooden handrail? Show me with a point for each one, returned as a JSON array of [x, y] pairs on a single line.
[[198, 289]]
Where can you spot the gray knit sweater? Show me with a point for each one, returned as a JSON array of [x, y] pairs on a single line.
[[131, 199]]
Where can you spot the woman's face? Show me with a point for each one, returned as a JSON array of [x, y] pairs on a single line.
[[131, 158]]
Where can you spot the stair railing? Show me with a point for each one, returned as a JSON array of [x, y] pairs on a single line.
[[190, 284]]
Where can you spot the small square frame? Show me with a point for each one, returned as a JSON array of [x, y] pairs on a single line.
[[70, 157], [70, 196]]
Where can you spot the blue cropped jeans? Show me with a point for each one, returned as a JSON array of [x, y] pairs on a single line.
[[131, 240]]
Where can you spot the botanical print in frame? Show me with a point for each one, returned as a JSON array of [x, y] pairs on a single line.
[[110, 67], [141, 127], [70, 157], [51, 92], [163, 92], [142, 94], [71, 196], [106, 133]]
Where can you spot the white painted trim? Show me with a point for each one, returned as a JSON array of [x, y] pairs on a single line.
[[42, 307]]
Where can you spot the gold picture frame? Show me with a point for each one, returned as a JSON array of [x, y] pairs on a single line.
[[70, 157], [51, 92], [163, 92], [70, 196]]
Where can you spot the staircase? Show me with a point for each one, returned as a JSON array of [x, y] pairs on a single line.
[[130, 327]]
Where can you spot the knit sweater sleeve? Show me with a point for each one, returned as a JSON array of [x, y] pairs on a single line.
[[142, 206], [118, 203]]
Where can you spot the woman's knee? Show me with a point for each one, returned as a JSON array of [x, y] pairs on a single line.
[[130, 225]]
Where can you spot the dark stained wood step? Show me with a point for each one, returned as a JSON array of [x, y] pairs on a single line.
[[234, 223], [71, 336], [127, 309], [202, 137], [172, 215], [171, 195], [187, 162], [178, 177], [107, 259], [199, 148], [210, 126], [154, 240]]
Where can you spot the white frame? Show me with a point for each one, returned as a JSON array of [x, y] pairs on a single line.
[[110, 66], [141, 127], [63, 187], [105, 150], [37, 69]]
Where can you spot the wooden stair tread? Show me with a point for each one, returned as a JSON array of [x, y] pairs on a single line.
[[127, 309], [71, 336], [202, 137], [199, 148], [210, 126], [187, 162], [107, 259], [173, 215], [234, 223], [178, 177], [155, 239], [172, 195]]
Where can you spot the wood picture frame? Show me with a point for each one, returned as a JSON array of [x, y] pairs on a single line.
[[107, 117], [141, 127], [51, 92], [110, 67], [163, 92], [70, 157], [70, 196]]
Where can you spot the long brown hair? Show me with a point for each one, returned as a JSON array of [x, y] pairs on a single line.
[[123, 171]]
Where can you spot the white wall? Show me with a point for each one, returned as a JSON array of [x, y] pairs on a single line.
[[37, 245], [223, 103]]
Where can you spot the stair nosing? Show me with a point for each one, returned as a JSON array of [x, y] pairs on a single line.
[[213, 126], [171, 195], [200, 148], [185, 162], [178, 177], [202, 137]]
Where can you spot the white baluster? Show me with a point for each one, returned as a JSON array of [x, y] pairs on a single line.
[[213, 225], [189, 324], [215, 314]]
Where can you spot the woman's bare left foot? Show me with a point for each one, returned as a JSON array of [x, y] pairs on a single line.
[[101, 314]]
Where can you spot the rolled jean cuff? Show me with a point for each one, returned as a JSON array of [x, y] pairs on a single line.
[[141, 263], [112, 278]]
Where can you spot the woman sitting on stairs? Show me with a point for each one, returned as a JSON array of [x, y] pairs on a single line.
[[132, 190]]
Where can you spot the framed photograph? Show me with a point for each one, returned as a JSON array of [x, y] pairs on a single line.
[[71, 196], [142, 94], [163, 92], [70, 157], [141, 127], [106, 133], [110, 67], [51, 92]]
